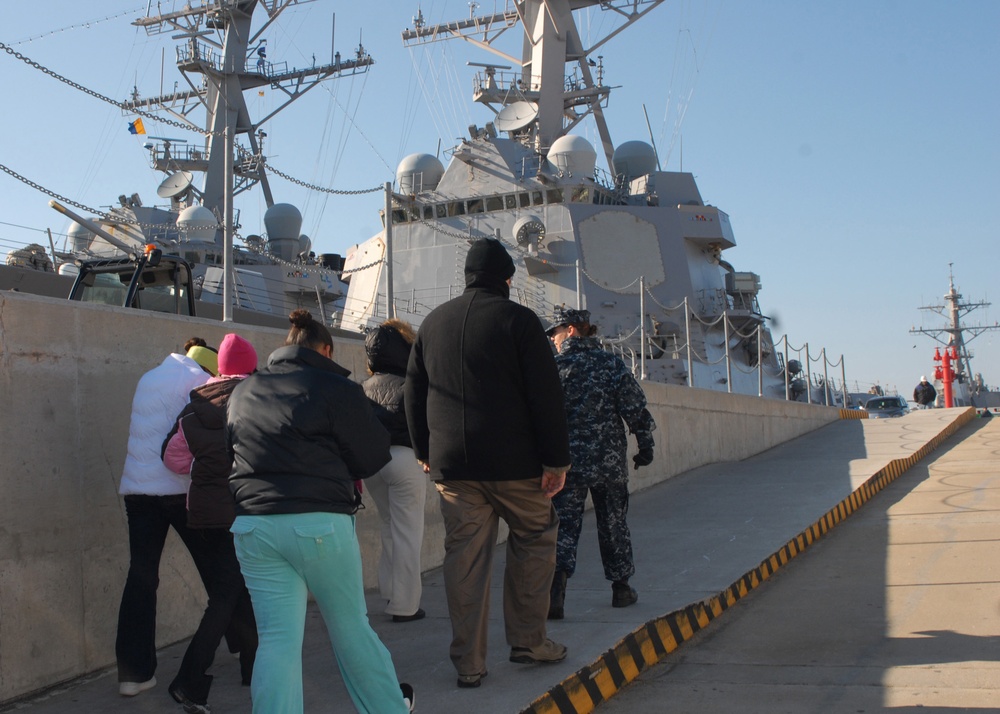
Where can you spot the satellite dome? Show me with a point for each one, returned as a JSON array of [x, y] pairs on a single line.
[[198, 223], [573, 155], [283, 222], [634, 158], [79, 237], [418, 173]]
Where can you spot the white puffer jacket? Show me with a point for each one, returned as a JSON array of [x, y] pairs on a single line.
[[159, 397]]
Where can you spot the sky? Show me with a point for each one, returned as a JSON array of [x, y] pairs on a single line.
[[854, 144]]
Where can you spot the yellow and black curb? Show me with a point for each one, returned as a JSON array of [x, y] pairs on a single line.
[[582, 691]]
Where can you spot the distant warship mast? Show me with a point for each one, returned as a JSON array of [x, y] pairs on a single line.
[[955, 333], [217, 45]]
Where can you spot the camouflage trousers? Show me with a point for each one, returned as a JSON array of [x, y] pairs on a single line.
[[613, 537]]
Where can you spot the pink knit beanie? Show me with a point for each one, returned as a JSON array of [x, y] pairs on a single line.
[[236, 355]]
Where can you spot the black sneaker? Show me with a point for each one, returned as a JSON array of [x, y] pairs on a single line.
[[408, 696], [190, 707]]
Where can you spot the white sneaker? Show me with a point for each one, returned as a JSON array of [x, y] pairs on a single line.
[[130, 689], [408, 696]]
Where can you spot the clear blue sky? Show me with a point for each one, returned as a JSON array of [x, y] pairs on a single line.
[[854, 144]]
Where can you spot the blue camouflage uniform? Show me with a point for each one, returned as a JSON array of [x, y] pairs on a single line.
[[600, 394]]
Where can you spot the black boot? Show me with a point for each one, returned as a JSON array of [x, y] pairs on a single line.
[[557, 595], [623, 594]]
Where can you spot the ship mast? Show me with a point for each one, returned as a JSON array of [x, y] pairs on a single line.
[[218, 45], [956, 332], [551, 41]]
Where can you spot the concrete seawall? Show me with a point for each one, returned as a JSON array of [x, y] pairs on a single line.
[[67, 376]]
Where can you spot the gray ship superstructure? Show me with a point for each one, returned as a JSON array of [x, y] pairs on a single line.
[[636, 246]]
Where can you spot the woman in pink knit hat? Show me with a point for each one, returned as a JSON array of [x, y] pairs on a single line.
[[197, 445]]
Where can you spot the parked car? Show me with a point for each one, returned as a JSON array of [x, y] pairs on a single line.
[[885, 407]]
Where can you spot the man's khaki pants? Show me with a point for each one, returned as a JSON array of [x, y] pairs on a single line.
[[472, 511]]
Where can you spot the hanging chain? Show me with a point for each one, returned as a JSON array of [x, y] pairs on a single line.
[[121, 105]]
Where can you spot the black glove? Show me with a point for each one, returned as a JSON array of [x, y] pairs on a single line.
[[644, 457]]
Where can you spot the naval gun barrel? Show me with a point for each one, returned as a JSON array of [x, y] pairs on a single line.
[[92, 227]]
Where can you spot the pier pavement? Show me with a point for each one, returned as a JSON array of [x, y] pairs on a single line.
[[703, 541]]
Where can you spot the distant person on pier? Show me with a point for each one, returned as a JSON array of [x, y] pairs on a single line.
[[602, 397], [924, 394], [155, 501]]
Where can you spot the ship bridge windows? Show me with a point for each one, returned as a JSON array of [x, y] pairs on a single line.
[[580, 194], [456, 208], [554, 195], [429, 212], [537, 199], [510, 201], [441, 210], [494, 203], [476, 205]]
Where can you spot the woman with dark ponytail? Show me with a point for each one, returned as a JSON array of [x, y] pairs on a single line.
[[301, 434]]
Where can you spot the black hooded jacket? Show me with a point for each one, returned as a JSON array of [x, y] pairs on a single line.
[[301, 433], [483, 398]]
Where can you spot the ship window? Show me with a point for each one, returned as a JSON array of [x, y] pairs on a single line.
[[441, 210], [414, 213], [476, 205], [398, 215], [524, 200], [536, 198], [510, 201], [456, 208], [494, 203], [429, 212], [554, 195], [581, 195]]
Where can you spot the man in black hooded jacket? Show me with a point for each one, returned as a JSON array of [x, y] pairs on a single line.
[[487, 419]]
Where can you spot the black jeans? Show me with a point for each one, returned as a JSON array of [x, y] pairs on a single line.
[[229, 608]]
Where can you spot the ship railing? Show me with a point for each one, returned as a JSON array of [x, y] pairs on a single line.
[[197, 55], [748, 346], [516, 83]]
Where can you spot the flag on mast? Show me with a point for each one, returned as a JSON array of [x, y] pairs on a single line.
[[136, 127]]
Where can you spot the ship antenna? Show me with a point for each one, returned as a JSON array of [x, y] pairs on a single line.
[[651, 139]]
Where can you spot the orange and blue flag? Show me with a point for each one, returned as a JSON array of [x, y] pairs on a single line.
[[136, 127]]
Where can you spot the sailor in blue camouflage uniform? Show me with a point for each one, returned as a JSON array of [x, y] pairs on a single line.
[[601, 394]]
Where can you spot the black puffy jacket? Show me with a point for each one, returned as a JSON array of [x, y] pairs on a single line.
[[203, 421], [301, 433], [388, 352]]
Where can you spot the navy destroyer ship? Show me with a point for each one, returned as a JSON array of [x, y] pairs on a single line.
[[601, 228]]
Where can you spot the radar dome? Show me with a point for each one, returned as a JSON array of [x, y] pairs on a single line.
[[79, 237], [198, 223], [418, 173], [573, 155], [634, 158], [283, 222]]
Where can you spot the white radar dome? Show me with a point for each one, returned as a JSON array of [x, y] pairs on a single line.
[[573, 155], [417, 173], [198, 223], [283, 222], [634, 158]]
